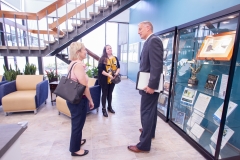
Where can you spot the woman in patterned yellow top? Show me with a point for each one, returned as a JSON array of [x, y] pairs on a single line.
[[108, 69]]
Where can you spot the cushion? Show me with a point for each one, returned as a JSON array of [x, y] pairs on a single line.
[[91, 82], [1, 78], [28, 82], [62, 106], [19, 101]]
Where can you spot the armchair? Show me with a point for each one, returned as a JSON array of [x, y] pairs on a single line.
[[2, 81], [27, 93], [95, 91]]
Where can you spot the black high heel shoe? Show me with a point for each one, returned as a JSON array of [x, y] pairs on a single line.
[[110, 110], [75, 154]]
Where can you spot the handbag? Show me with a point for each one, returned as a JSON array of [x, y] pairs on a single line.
[[70, 90], [117, 79]]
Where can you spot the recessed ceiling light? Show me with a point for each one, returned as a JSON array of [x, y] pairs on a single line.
[[225, 22], [230, 17]]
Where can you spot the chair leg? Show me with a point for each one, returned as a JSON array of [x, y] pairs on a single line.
[[5, 113], [59, 113], [35, 111]]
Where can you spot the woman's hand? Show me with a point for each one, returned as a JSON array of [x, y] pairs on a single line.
[[91, 104], [111, 77]]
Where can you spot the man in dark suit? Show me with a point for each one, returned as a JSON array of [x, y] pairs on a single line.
[[151, 61]]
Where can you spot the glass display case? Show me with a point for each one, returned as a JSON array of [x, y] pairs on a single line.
[[203, 106], [168, 38]]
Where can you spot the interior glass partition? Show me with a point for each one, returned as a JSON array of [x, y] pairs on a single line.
[[201, 76]]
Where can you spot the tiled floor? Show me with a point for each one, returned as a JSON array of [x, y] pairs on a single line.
[[47, 135]]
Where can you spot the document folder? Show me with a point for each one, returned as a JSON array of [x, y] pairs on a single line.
[[143, 79]]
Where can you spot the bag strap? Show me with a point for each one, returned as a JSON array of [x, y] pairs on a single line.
[[69, 72]]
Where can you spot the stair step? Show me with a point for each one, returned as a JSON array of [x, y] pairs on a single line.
[[68, 30], [101, 9], [110, 3], [60, 36], [78, 25], [92, 13], [22, 48], [86, 19], [49, 42]]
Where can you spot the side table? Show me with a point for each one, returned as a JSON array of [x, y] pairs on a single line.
[[53, 86]]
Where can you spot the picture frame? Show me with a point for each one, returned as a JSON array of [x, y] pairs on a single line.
[[217, 47]]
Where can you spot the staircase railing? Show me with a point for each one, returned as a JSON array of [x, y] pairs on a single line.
[[44, 36]]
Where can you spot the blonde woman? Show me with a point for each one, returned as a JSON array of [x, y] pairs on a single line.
[[78, 111]]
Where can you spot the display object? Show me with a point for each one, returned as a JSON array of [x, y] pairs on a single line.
[[227, 134], [193, 81], [218, 114], [180, 116], [211, 82], [188, 96], [217, 47], [203, 70]]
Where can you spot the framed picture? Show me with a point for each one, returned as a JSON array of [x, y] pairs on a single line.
[[217, 47]]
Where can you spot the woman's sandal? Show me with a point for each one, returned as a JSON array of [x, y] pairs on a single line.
[[75, 154], [83, 141]]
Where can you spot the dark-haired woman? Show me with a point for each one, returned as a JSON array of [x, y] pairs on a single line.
[[108, 69]]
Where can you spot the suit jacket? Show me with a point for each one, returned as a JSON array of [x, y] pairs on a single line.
[[151, 60]]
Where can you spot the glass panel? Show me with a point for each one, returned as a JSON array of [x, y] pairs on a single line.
[[201, 74], [34, 60], [167, 40], [230, 146], [62, 67], [48, 64], [1, 67], [21, 61]]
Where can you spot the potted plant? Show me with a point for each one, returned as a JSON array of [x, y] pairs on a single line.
[[10, 74], [52, 75], [93, 72], [30, 69]]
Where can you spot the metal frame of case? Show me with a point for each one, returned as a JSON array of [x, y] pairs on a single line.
[[205, 153]]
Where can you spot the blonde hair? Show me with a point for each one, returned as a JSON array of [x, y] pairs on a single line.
[[73, 49], [148, 24]]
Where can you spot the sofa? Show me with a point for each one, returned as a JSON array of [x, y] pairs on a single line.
[[26, 93], [95, 91], [2, 81]]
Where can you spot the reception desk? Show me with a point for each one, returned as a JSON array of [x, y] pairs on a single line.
[[9, 141]]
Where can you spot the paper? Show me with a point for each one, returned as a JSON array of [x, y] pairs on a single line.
[[231, 107], [195, 118], [188, 95], [227, 134], [223, 85], [197, 130], [202, 102], [143, 80]]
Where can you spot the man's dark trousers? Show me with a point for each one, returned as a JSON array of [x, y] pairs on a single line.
[[148, 119]]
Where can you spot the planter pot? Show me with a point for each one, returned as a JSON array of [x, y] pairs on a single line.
[[52, 80]]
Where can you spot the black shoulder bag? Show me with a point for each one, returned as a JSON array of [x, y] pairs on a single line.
[[70, 90]]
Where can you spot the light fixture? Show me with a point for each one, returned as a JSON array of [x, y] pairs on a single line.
[[230, 17], [225, 22]]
